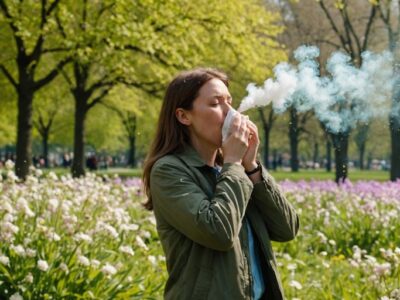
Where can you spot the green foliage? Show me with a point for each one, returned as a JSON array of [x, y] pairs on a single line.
[[8, 113]]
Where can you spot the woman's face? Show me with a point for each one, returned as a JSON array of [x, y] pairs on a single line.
[[208, 113]]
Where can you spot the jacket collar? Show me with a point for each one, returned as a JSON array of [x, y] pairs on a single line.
[[191, 157]]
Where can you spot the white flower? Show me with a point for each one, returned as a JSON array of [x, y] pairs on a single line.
[[9, 164], [382, 269], [53, 205], [152, 220], [127, 250], [83, 260], [95, 263], [295, 284], [29, 278], [11, 177], [322, 237], [83, 237], [111, 230], [108, 269], [64, 267], [323, 253], [7, 207], [53, 236], [30, 252], [141, 243], [9, 227], [52, 176], [42, 265], [332, 242], [146, 234], [22, 206], [291, 267], [19, 250], [16, 296], [4, 260], [129, 227], [395, 294], [152, 259]]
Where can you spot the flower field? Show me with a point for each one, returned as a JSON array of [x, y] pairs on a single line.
[[64, 238]]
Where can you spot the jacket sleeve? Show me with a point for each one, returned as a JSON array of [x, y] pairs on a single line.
[[278, 214], [214, 223]]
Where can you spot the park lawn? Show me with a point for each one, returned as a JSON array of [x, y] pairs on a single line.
[[307, 175]]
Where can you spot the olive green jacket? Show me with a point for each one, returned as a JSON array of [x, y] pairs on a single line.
[[200, 221]]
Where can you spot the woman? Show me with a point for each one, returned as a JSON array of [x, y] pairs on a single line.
[[217, 208]]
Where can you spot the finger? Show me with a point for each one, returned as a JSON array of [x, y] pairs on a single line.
[[236, 123]]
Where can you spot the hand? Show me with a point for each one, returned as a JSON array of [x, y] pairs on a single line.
[[249, 159], [236, 144]]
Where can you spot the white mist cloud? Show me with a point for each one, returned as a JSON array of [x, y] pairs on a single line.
[[346, 96]]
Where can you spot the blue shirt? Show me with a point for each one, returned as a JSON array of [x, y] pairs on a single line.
[[258, 280]]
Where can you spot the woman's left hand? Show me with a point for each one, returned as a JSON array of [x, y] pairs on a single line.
[[249, 160]]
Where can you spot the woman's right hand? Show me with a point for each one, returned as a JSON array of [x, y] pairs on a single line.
[[235, 145]]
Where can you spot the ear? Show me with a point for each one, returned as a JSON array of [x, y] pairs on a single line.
[[183, 116]]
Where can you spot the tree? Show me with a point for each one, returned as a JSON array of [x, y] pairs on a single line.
[[129, 105], [50, 101], [267, 124], [297, 125], [360, 138], [390, 15], [354, 41], [301, 26], [30, 34], [141, 46]]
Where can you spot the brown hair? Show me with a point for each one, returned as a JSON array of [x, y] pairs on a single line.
[[171, 135]]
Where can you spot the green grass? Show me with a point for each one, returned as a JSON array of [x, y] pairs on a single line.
[[307, 175], [354, 175]]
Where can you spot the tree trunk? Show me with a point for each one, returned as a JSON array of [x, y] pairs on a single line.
[[328, 155], [394, 123], [78, 162], [267, 132], [132, 151], [340, 144], [45, 143], [315, 155], [294, 140], [395, 141], [361, 155], [24, 132]]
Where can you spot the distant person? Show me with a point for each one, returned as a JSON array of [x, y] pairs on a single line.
[[217, 209], [91, 162], [66, 160]]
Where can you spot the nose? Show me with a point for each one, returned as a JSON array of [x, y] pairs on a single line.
[[226, 108]]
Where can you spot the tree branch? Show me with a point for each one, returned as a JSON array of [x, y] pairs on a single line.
[[333, 25], [52, 74], [60, 27], [151, 88], [55, 50], [14, 28], [99, 98], [368, 27], [322, 41], [9, 76], [350, 30], [34, 56]]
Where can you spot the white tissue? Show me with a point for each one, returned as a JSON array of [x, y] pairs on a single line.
[[228, 121]]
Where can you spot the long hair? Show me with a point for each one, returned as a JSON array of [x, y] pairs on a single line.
[[172, 136]]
